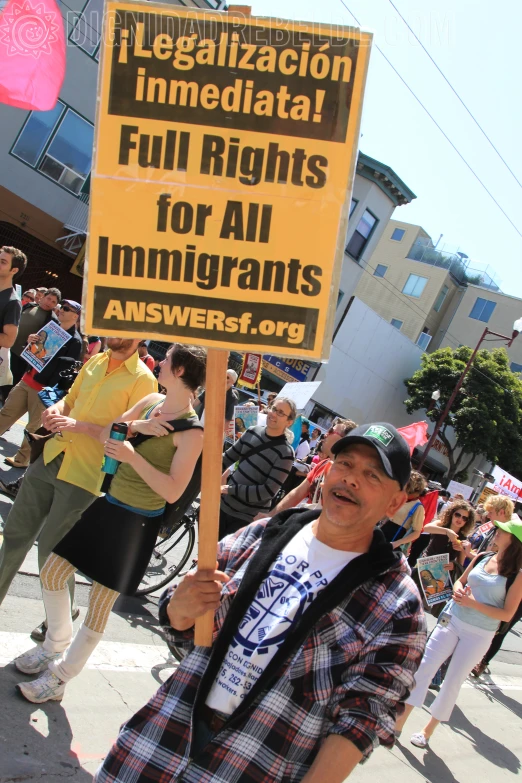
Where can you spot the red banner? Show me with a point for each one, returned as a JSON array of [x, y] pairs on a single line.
[[415, 434], [251, 370]]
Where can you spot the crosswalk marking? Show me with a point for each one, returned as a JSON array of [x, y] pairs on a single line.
[[128, 657]]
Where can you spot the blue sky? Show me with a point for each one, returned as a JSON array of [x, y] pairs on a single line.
[[477, 45]]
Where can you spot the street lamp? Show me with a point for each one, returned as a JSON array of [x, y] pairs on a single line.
[[517, 328], [435, 397]]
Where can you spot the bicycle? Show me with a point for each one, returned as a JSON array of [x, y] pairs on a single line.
[[173, 549]]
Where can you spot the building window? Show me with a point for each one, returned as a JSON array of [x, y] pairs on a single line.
[[361, 235], [414, 285], [380, 270], [339, 298], [86, 32], [353, 204], [482, 309], [398, 234], [515, 367], [424, 340], [395, 322], [441, 297], [58, 144]]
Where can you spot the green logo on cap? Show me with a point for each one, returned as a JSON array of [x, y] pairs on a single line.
[[379, 433]]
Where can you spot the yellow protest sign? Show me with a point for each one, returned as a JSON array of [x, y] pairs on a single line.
[[225, 154]]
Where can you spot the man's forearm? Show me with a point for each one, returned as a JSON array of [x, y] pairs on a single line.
[[335, 761]]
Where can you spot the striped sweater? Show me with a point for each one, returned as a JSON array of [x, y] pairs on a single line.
[[257, 479]]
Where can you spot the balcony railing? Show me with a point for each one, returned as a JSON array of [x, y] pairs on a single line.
[[457, 265]]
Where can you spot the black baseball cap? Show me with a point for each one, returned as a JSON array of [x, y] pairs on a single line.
[[391, 447]]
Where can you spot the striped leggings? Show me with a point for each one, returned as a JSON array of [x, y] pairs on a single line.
[[56, 573]]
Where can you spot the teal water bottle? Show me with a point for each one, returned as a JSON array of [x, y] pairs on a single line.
[[118, 432]]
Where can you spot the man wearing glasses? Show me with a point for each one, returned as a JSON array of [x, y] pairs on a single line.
[[264, 459], [24, 398], [309, 490]]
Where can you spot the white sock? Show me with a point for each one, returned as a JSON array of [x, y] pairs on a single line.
[[73, 660], [59, 622]]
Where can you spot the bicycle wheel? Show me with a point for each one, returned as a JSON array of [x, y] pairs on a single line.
[[169, 557]]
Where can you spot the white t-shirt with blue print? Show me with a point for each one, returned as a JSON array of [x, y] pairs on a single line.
[[300, 572]]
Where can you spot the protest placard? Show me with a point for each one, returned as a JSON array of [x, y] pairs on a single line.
[[225, 155], [245, 416], [51, 338], [250, 374], [435, 579], [300, 393], [455, 487], [505, 484], [224, 161]]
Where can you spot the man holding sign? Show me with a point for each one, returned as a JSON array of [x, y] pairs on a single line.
[[318, 633]]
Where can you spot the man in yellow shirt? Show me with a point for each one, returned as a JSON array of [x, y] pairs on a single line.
[[66, 479]]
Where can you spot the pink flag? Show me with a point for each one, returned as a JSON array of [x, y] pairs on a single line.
[[415, 434], [32, 54]]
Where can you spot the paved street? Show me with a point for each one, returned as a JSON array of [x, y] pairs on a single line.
[[56, 741]]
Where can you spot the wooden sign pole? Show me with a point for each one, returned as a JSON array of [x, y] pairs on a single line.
[[212, 469], [212, 466]]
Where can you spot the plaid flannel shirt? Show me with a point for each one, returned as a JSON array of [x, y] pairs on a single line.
[[351, 673]]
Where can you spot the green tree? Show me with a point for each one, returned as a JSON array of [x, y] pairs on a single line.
[[486, 414]]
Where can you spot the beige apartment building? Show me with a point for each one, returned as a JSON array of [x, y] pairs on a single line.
[[435, 297], [476, 310]]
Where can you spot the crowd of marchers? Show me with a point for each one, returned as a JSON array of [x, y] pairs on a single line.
[[320, 648]]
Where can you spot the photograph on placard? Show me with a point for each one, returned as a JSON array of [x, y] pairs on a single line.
[[434, 578]]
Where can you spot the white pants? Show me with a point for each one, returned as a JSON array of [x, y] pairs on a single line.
[[467, 645]]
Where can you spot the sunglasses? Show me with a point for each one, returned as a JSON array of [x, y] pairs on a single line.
[[67, 309], [460, 516]]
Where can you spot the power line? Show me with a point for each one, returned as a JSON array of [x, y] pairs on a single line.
[[479, 126], [432, 118]]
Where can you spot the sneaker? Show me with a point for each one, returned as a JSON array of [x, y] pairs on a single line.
[[10, 489], [419, 740], [38, 634], [48, 687], [35, 661]]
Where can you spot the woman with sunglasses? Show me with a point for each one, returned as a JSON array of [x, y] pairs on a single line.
[[448, 536], [449, 533], [487, 594], [28, 297]]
